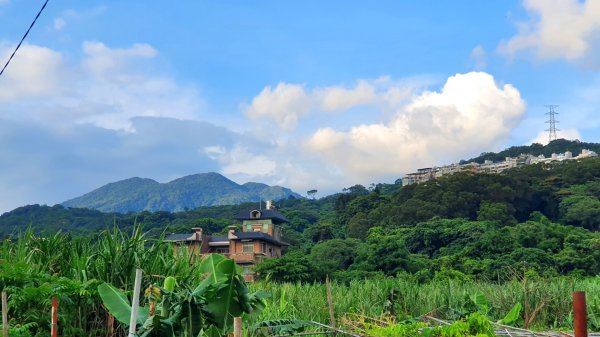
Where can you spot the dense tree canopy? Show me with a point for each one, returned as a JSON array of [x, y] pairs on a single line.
[[543, 218]]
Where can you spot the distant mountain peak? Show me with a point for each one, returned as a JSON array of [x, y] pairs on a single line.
[[187, 192]]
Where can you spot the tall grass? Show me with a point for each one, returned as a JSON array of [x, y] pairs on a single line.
[[443, 299], [35, 268]]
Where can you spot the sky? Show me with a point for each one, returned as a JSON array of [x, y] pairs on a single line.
[[304, 94]]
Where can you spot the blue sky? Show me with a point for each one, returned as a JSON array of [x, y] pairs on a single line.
[[305, 94]]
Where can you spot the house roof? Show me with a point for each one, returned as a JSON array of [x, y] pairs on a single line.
[[262, 214], [180, 237], [259, 236], [224, 239], [219, 239]]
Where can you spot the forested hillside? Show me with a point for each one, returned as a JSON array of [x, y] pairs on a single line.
[[544, 218], [536, 149], [189, 192]]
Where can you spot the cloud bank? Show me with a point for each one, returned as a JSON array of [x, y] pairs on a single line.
[[469, 114], [558, 29], [70, 126]]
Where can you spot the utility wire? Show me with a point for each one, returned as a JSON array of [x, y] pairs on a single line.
[[23, 38]]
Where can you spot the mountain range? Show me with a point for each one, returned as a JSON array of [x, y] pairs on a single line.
[[189, 192]]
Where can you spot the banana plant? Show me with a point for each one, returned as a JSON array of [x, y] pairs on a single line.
[[206, 310]]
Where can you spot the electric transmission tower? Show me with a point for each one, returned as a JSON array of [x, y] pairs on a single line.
[[552, 122]]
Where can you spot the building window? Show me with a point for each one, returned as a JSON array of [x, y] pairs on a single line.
[[263, 247], [248, 247], [222, 250], [248, 227], [248, 270], [265, 228]]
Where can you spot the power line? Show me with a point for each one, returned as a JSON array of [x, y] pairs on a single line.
[[552, 121], [23, 38]]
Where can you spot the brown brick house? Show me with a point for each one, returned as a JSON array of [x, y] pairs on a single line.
[[259, 239]]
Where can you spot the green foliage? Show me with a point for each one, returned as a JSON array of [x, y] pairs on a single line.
[[118, 305], [581, 211], [394, 330], [278, 327], [211, 304], [334, 255], [513, 315], [292, 267]]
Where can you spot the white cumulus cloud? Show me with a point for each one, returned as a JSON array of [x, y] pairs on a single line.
[[543, 137], [470, 114], [287, 103], [35, 72], [107, 88], [557, 29]]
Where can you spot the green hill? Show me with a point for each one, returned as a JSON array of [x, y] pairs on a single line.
[[536, 149], [189, 192]]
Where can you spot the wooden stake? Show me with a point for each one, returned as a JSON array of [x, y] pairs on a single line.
[[54, 322], [110, 324], [4, 315], [135, 302], [237, 327], [579, 314], [330, 302]]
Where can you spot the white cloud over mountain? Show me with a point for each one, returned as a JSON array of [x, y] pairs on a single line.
[[470, 113], [287, 103], [557, 29], [68, 126]]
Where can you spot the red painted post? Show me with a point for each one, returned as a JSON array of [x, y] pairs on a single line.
[[580, 314], [4, 315], [54, 322]]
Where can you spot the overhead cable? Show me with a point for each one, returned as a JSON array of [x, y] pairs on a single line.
[[23, 38]]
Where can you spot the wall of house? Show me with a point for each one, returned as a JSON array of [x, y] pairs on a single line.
[[270, 250], [258, 225]]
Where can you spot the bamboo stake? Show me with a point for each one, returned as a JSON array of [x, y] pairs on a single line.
[[135, 302], [330, 302], [54, 322], [237, 327], [4, 315]]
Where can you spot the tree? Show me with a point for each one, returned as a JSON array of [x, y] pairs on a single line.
[[499, 212], [291, 267], [581, 211], [358, 226], [386, 253], [312, 193], [333, 255]]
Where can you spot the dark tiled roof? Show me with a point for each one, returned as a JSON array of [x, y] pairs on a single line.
[[264, 214], [219, 239], [259, 236], [180, 237]]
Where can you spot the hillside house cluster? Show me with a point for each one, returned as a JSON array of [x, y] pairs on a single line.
[[258, 239], [428, 173]]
